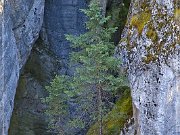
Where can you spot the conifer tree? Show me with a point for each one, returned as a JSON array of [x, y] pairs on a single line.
[[96, 75]]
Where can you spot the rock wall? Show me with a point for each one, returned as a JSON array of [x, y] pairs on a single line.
[[28, 116], [49, 57], [20, 25], [150, 51]]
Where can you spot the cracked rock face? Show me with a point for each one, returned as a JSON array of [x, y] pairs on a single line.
[[150, 51], [20, 24]]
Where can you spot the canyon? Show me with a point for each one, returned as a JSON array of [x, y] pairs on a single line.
[[34, 49]]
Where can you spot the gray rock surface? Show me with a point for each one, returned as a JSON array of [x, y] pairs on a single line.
[[28, 116], [20, 24], [154, 79], [152, 60], [49, 56], [62, 17]]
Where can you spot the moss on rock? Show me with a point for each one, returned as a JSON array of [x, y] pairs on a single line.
[[114, 121], [177, 15], [152, 34], [140, 20]]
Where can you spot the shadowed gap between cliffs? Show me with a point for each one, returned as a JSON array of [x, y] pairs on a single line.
[[45, 61]]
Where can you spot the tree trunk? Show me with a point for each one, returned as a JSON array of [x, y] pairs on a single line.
[[100, 111], [150, 52]]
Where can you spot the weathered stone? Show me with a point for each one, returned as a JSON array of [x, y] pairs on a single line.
[[50, 56], [62, 17], [28, 115], [153, 66], [20, 25]]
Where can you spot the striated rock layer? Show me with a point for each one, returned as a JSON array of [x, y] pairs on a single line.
[[150, 50], [20, 25]]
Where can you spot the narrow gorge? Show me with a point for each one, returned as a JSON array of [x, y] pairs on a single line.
[[34, 50]]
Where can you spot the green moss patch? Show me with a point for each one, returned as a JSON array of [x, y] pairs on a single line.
[[152, 34], [140, 20], [149, 58], [177, 15], [114, 121]]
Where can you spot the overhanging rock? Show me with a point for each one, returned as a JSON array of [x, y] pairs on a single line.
[[20, 25]]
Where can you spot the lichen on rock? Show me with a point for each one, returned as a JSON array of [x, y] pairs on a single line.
[[140, 20], [151, 56]]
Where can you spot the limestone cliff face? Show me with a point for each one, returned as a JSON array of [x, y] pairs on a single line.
[[149, 47], [49, 57], [20, 24], [150, 50]]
